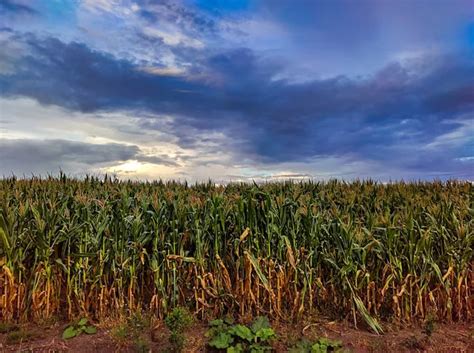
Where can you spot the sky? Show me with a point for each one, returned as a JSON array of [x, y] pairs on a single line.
[[238, 90]]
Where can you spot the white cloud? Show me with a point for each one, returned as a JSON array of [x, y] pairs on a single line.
[[465, 159], [163, 71], [172, 36], [458, 137]]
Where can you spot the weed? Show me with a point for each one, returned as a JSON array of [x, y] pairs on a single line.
[[322, 345], [138, 322], [120, 334], [177, 321], [430, 325], [131, 332], [79, 327], [240, 338]]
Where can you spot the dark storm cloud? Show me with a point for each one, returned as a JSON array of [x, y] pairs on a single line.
[[20, 156], [381, 117]]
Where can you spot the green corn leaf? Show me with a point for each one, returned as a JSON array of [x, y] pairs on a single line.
[[4, 239], [258, 270]]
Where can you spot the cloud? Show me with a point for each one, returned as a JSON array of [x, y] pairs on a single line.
[[327, 38], [159, 160], [172, 37], [162, 71], [16, 7], [234, 94], [188, 19], [20, 156]]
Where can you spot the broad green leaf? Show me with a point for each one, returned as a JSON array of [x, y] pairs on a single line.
[[260, 323], [238, 348], [243, 332], [90, 330], [69, 332], [217, 322], [221, 341], [317, 348], [265, 333]]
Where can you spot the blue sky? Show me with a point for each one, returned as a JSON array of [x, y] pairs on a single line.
[[238, 90]]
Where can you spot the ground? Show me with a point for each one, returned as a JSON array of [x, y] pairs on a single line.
[[449, 338]]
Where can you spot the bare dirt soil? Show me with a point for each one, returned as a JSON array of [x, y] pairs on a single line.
[[449, 338]]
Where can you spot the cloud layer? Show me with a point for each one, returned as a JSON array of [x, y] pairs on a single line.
[[211, 94], [26, 156]]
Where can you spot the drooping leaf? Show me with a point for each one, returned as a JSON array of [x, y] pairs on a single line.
[[258, 270], [372, 322]]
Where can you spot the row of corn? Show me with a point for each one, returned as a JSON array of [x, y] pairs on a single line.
[[363, 251]]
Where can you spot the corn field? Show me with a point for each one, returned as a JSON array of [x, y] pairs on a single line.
[[362, 251]]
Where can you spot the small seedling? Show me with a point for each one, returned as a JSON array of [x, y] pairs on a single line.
[[80, 327]]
